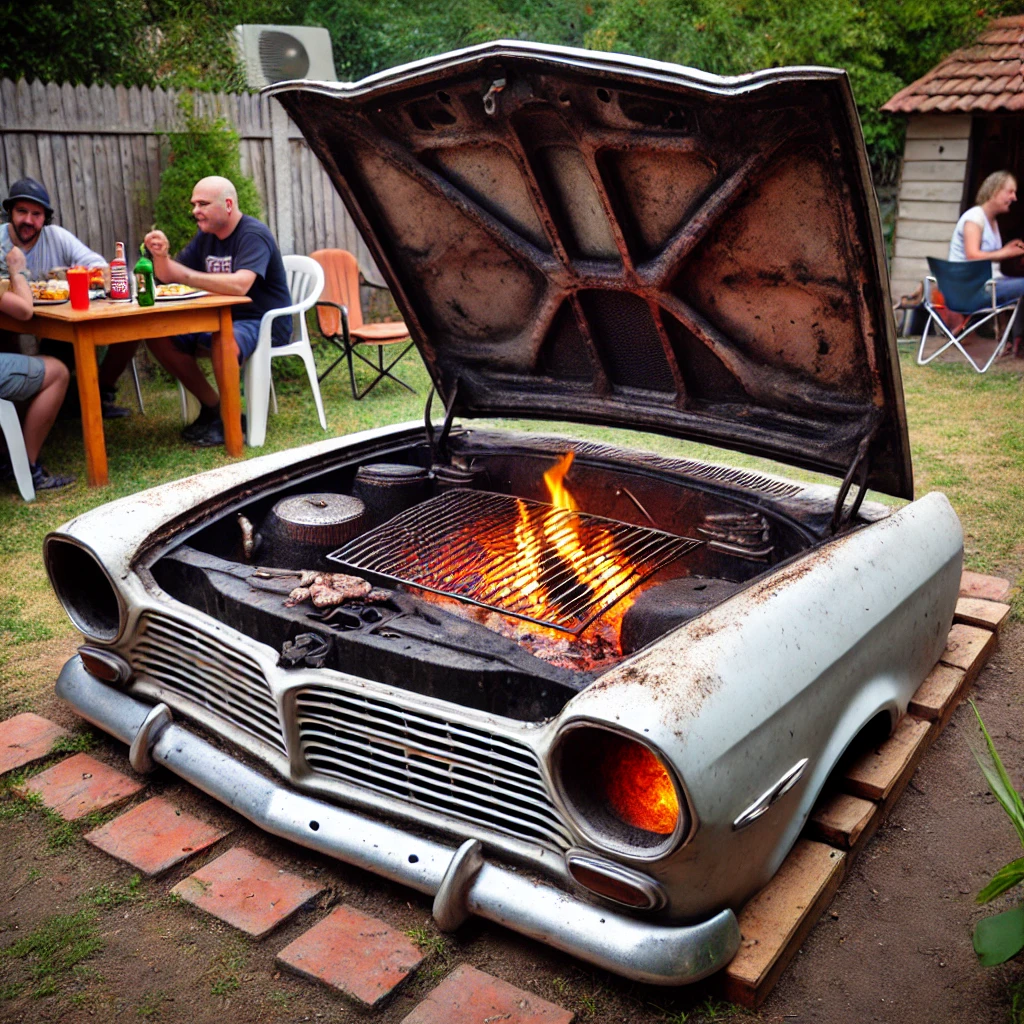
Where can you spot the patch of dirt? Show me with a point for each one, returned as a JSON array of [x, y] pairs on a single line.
[[894, 946]]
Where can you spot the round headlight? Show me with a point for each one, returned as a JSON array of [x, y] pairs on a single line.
[[618, 792], [83, 588]]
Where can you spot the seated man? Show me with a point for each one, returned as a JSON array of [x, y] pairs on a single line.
[[45, 246], [39, 381], [231, 254]]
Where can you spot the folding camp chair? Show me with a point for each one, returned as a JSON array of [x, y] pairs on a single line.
[[967, 288], [340, 317]]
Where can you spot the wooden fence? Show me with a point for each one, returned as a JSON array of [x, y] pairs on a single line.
[[100, 151]]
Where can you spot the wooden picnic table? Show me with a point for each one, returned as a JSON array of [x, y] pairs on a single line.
[[108, 323]]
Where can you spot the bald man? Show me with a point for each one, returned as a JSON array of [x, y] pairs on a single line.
[[231, 254]]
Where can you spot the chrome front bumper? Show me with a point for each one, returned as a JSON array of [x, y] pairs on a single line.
[[461, 880]]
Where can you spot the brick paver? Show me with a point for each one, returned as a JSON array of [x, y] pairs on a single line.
[[469, 996], [80, 785], [155, 836], [990, 588], [25, 738], [353, 953], [251, 893]]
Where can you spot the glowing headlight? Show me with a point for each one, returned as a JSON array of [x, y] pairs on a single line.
[[618, 792]]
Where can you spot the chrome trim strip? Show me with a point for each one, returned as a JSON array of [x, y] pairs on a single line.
[[770, 795], [655, 953]]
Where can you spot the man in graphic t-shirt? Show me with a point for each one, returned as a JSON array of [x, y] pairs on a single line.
[[231, 254]]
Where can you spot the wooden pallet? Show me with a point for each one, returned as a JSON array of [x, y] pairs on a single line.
[[776, 921]]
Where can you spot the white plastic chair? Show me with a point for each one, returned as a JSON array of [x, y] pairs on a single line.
[[305, 283], [11, 426]]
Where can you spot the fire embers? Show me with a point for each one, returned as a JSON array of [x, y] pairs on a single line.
[[638, 787], [327, 589]]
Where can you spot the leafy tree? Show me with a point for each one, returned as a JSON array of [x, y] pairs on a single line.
[[173, 43], [370, 36], [205, 147], [883, 44]]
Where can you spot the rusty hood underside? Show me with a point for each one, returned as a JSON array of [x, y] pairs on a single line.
[[583, 236]]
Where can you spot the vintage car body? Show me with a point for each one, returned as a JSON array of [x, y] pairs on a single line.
[[584, 237]]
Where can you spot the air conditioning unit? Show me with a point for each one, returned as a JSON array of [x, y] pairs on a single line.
[[275, 53]]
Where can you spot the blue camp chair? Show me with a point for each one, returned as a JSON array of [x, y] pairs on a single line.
[[968, 288]]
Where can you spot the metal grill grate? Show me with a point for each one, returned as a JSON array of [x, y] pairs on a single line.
[[203, 669], [457, 770], [547, 565]]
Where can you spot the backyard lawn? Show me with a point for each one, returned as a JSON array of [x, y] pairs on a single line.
[[967, 435]]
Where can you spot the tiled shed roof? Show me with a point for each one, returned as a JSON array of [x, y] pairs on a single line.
[[984, 77]]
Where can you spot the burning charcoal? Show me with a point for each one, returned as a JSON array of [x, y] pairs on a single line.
[[297, 596]]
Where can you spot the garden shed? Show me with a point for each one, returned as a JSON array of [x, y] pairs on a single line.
[[965, 119]]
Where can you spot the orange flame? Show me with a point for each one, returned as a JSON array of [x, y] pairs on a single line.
[[560, 497], [639, 788]]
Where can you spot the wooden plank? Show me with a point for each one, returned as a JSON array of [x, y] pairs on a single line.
[[986, 614], [936, 149], [932, 170], [939, 693], [840, 820], [923, 231], [934, 191], [913, 209], [79, 199], [990, 588], [93, 233], [298, 225], [777, 920], [910, 247], [968, 648], [938, 126], [44, 145], [29, 143], [878, 773], [102, 199]]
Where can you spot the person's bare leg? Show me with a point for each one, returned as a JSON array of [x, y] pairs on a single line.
[[115, 361], [183, 367], [44, 406]]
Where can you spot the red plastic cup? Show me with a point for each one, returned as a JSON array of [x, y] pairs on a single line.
[[78, 286]]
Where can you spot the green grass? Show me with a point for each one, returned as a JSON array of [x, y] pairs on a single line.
[[53, 950], [966, 430]]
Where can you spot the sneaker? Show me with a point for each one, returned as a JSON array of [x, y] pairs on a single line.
[[44, 480], [108, 402], [207, 435]]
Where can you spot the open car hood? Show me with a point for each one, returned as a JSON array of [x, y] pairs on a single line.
[[586, 236]]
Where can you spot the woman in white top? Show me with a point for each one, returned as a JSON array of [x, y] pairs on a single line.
[[976, 236]]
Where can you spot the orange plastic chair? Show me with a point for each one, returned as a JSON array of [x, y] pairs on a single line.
[[339, 315]]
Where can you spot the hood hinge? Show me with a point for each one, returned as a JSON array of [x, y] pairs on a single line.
[[859, 468]]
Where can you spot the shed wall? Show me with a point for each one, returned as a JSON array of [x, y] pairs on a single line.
[[930, 197]]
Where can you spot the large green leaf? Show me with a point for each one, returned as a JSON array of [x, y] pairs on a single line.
[[1005, 878], [999, 937], [999, 782]]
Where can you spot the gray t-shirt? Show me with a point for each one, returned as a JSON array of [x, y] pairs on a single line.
[[55, 247]]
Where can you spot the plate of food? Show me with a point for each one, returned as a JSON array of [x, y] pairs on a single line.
[[49, 293], [176, 292]]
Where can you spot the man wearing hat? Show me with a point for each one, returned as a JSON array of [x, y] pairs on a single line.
[[48, 245]]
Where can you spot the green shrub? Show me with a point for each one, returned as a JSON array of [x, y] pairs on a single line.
[[205, 147]]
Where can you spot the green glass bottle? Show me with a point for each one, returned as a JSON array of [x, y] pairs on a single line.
[[145, 286]]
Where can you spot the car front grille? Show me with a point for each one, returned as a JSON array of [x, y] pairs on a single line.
[[200, 668], [455, 770]]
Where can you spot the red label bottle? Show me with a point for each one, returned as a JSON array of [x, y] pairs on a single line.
[[120, 289]]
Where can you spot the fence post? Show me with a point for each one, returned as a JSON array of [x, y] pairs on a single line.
[[279, 122]]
